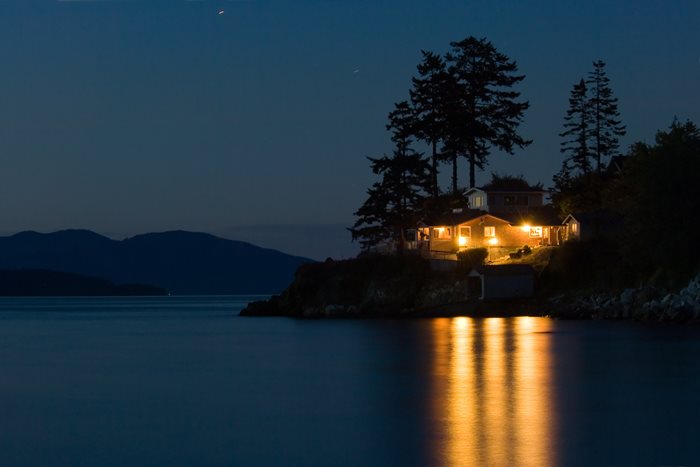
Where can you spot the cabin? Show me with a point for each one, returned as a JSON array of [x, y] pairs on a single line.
[[504, 281], [542, 222], [591, 225], [461, 229], [572, 227]]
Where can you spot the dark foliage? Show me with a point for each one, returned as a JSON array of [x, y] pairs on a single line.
[[443, 205], [656, 199], [592, 127], [607, 126], [586, 265], [510, 182], [430, 97], [577, 131], [484, 113], [657, 196], [347, 282], [471, 258], [394, 203]]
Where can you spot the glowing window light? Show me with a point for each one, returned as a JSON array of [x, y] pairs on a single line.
[[536, 232]]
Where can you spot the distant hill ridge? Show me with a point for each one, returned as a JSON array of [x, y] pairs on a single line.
[[39, 283], [181, 262]]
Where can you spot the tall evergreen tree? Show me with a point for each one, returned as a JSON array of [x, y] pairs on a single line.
[[607, 126], [394, 203], [429, 97], [654, 194], [486, 113], [577, 131]]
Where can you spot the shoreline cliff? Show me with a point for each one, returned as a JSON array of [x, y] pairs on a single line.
[[384, 287], [406, 287]]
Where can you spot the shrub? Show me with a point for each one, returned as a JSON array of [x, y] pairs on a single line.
[[472, 257], [526, 250]]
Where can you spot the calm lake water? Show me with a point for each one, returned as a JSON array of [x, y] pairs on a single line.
[[184, 381]]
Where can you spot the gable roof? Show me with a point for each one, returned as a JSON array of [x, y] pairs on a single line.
[[455, 217], [590, 217], [487, 190], [466, 215], [536, 215], [616, 164]]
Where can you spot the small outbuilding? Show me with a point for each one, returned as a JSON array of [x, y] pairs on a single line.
[[504, 281]]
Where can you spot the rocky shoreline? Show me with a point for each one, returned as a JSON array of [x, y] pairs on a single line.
[[641, 304], [407, 288], [385, 288]]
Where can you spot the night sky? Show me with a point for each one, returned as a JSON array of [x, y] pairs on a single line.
[[126, 117]]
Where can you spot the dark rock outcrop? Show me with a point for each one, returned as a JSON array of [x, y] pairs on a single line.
[[643, 304], [381, 287]]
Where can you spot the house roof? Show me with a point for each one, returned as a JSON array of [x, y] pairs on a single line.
[[601, 217], [457, 218], [505, 270], [538, 215], [487, 190], [616, 164]]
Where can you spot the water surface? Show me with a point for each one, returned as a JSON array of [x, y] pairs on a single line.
[[184, 381]]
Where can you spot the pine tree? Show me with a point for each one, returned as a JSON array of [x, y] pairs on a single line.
[[393, 204], [577, 131], [486, 113], [429, 97], [607, 126]]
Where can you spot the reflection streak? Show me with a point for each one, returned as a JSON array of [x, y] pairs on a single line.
[[492, 398]]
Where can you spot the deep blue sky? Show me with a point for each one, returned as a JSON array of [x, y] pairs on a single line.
[[132, 116]]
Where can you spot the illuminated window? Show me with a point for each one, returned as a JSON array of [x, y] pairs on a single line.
[[574, 227], [442, 233], [489, 231], [478, 201], [465, 231], [536, 232]]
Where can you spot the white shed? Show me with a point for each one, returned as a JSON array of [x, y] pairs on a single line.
[[505, 281]]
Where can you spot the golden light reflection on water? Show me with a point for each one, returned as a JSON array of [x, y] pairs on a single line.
[[492, 395]]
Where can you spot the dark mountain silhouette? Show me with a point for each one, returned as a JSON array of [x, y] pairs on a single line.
[[39, 283], [181, 262]]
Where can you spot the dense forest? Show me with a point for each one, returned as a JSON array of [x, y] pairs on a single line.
[[463, 105]]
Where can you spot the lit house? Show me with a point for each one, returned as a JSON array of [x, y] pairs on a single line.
[[468, 228]]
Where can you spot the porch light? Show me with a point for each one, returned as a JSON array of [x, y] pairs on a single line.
[[493, 241], [462, 241], [525, 228]]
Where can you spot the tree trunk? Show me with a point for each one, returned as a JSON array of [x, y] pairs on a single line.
[[454, 173], [436, 190], [472, 171], [401, 244]]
